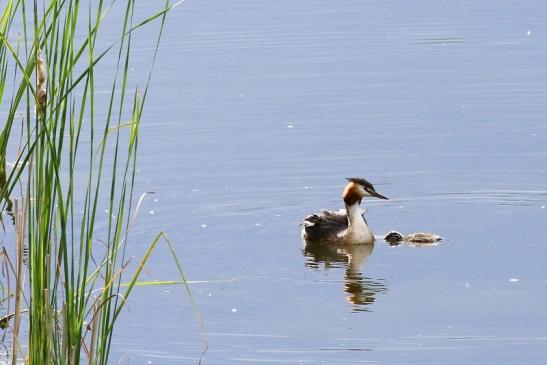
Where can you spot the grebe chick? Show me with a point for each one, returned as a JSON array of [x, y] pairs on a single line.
[[343, 227], [395, 237]]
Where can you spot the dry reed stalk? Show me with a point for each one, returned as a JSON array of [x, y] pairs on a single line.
[[94, 320], [47, 323], [72, 355], [19, 253], [65, 330]]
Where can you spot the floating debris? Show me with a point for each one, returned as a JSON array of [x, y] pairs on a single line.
[[514, 280]]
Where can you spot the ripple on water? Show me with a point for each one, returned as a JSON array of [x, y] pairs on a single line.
[[497, 197]]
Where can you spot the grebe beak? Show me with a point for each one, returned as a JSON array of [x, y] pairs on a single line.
[[377, 195]]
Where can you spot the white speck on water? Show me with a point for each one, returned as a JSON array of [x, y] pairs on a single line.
[[290, 127], [533, 134], [241, 95], [156, 200], [543, 207], [209, 295], [449, 327], [467, 285], [194, 190], [514, 280], [234, 310], [167, 291], [401, 207], [306, 187], [278, 215], [203, 226], [257, 224], [138, 170], [529, 33], [151, 212]]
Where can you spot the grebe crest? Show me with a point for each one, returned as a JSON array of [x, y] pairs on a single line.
[[344, 226]]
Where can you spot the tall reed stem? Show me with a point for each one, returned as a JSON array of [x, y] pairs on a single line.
[[52, 58]]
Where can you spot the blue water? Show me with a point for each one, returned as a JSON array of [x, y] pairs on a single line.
[[257, 113]]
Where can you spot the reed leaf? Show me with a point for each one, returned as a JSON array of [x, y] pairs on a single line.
[[52, 59]]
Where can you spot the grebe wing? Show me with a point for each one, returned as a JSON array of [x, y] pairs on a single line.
[[325, 226]]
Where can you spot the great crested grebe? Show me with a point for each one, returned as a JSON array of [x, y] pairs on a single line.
[[343, 227], [396, 238]]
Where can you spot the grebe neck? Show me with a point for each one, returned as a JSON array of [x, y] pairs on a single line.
[[354, 213], [358, 231]]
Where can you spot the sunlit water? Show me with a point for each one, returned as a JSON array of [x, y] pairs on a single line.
[[257, 112]]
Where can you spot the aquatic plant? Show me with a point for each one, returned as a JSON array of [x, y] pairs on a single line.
[[74, 157]]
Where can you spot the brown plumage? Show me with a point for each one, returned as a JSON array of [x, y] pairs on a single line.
[[344, 226], [325, 226], [352, 193]]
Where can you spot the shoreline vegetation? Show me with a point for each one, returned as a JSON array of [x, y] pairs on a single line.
[[65, 156]]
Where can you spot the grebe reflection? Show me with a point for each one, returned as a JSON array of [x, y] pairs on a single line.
[[360, 290]]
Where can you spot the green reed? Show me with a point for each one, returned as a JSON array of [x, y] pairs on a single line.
[[68, 279]]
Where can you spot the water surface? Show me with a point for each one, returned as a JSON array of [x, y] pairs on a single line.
[[257, 112]]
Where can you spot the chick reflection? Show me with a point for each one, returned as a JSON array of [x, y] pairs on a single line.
[[361, 291]]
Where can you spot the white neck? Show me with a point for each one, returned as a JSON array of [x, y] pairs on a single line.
[[358, 230], [354, 214]]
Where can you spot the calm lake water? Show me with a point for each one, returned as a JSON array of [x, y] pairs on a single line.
[[259, 110]]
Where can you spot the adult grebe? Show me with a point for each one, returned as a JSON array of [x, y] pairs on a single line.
[[343, 227]]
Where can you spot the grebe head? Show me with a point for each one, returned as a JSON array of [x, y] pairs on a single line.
[[357, 189]]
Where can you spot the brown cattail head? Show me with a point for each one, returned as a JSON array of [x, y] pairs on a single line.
[[41, 90]]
